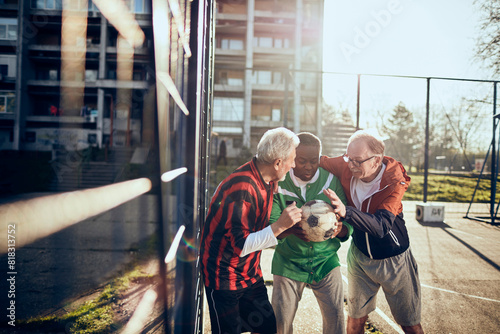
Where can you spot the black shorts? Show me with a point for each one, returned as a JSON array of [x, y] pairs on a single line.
[[247, 310]]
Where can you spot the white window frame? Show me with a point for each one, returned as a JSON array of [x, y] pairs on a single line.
[[228, 109], [4, 97], [10, 25]]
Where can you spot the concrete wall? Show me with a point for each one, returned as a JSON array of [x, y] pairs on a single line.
[[10, 61]]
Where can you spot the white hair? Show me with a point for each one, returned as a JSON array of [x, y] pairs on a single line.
[[374, 142], [275, 144]]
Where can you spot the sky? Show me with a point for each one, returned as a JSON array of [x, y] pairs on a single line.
[[425, 38], [403, 37]]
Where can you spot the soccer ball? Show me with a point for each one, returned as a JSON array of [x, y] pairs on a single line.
[[318, 220]]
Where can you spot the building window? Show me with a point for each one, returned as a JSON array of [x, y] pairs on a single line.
[[232, 44], [270, 42], [229, 77], [7, 102], [222, 78], [8, 66], [47, 4], [276, 114], [92, 7], [263, 42], [90, 75], [8, 28], [309, 81], [267, 78], [53, 75], [4, 70], [12, 32], [46, 74], [308, 114], [139, 75], [111, 74], [228, 109], [142, 6], [262, 77], [3, 104], [277, 77], [235, 81]]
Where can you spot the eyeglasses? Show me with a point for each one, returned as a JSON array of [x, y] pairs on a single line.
[[356, 163]]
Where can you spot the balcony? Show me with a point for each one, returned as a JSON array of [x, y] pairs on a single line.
[[274, 15], [229, 52], [231, 16], [137, 51], [265, 124], [91, 84], [269, 87], [57, 119], [228, 88], [274, 51], [8, 7], [6, 79]]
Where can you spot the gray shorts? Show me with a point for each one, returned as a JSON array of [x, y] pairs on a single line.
[[398, 277], [329, 293]]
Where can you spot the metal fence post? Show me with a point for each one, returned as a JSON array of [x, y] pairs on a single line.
[[426, 154]]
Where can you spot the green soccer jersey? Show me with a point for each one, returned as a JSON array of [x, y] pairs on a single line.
[[293, 257]]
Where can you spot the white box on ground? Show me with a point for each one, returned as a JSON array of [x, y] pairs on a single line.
[[429, 213]]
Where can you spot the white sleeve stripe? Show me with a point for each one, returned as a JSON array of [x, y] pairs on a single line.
[[327, 183], [287, 192], [259, 240]]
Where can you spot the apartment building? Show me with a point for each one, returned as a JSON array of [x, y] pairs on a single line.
[[47, 100], [268, 63]]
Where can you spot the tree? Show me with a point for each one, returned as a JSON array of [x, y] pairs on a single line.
[[465, 122], [404, 135], [333, 116], [488, 44]]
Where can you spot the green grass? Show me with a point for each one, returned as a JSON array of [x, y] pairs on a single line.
[[440, 188], [97, 316], [93, 317], [448, 188]]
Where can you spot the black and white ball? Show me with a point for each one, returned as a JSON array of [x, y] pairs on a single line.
[[318, 220]]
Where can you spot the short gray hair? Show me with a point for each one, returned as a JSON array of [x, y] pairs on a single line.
[[375, 144], [275, 144]]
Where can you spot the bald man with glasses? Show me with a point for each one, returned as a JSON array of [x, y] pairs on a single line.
[[380, 254]]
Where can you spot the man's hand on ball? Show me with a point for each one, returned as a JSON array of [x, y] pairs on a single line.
[[289, 217], [292, 215], [338, 206], [341, 229]]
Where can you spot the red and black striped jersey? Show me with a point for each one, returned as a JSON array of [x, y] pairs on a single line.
[[241, 205]]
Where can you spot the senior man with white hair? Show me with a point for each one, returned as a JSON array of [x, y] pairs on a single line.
[[380, 254], [236, 230]]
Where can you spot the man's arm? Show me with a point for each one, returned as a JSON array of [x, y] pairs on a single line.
[[267, 237], [378, 224], [333, 165], [346, 229], [279, 204]]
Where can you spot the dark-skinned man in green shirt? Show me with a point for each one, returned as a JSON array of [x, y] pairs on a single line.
[[297, 262]]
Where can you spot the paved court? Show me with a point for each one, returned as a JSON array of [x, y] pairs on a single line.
[[459, 265]]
